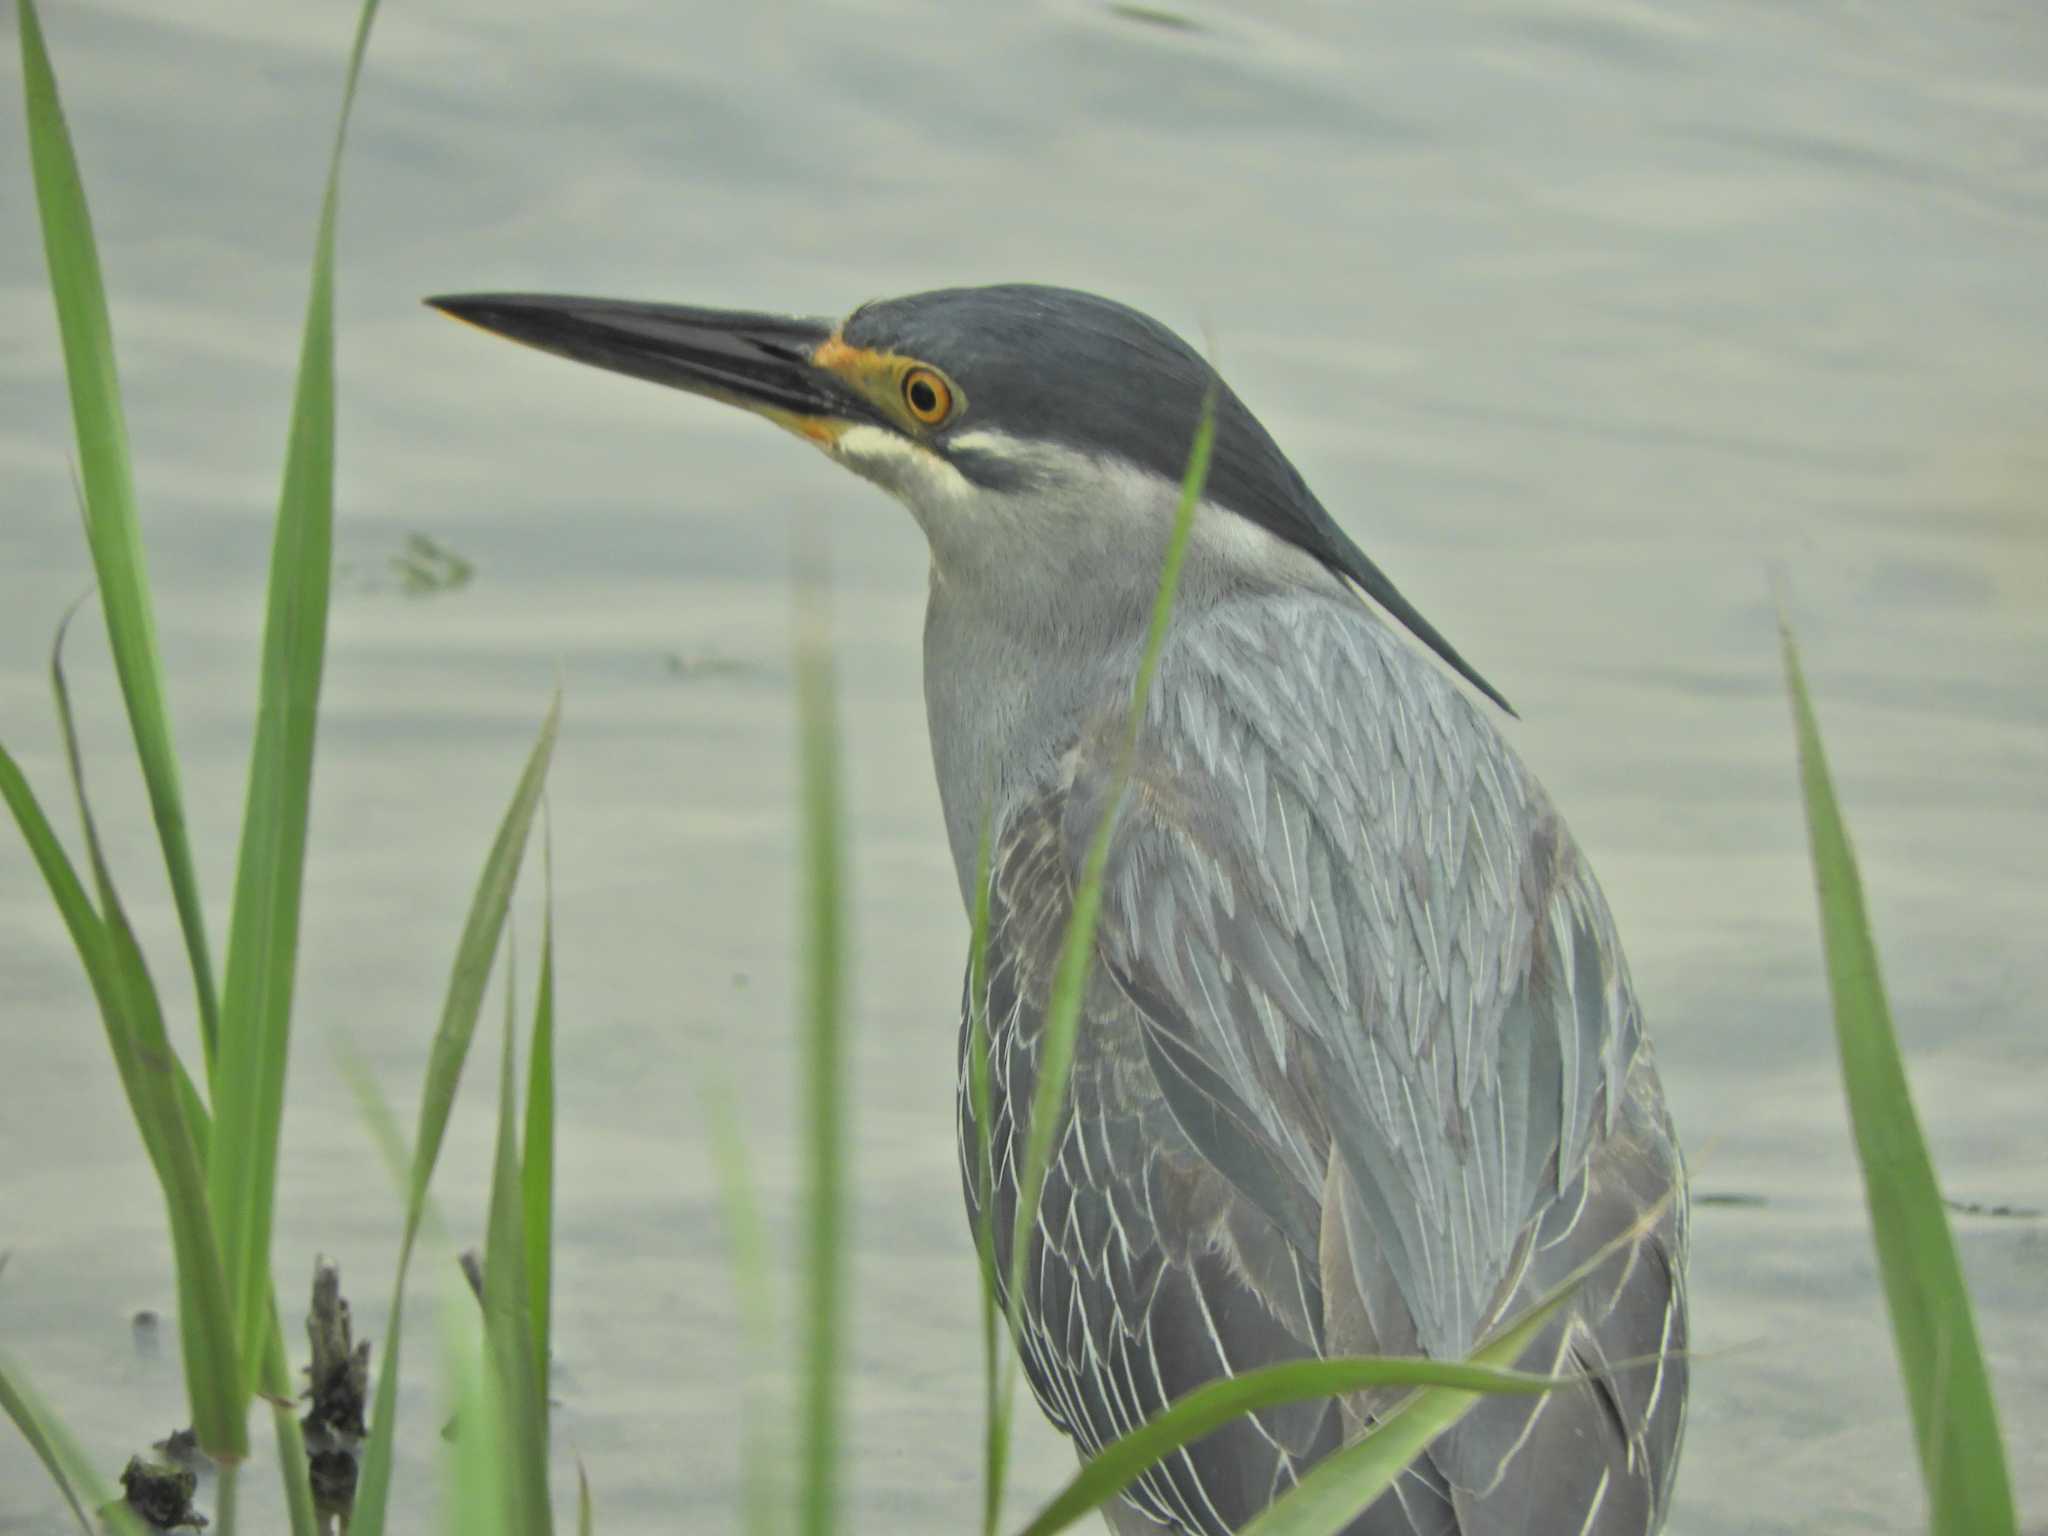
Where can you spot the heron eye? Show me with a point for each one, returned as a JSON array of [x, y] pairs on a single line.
[[927, 396]]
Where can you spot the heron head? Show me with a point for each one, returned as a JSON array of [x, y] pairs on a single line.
[[1001, 416]]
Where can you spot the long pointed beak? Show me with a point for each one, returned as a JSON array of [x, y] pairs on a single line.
[[760, 362]]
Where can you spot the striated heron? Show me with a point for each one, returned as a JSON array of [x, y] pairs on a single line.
[[1360, 1069]]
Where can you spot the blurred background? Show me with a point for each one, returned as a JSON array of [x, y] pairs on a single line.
[[1602, 326]]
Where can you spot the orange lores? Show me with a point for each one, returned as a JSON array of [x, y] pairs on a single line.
[[858, 364]]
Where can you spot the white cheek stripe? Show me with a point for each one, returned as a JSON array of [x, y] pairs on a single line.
[[1145, 496], [1083, 494], [911, 467], [999, 445]]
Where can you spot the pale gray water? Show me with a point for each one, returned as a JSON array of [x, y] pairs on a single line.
[[1589, 319]]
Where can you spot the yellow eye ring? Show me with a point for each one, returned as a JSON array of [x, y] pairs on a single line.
[[927, 396]]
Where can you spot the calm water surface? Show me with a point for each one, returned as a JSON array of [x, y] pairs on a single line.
[[1595, 323]]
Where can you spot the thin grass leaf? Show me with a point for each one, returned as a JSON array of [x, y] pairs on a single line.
[[508, 1310], [373, 1480], [537, 1153], [150, 1074], [70, 1468], [1077, 949], [277, 1384], [998, 1370], [382, 1123], [823, 1090], [81, 918], [88, 933], [586, 1517], [474, 955], [747, 1243], [43, 1436], [473, 958], [1955, 1422], [481, 1486], [1332, 1492], [227, 1500], [390, 1140], [1210, 1407], [263, 936], [111, 527]]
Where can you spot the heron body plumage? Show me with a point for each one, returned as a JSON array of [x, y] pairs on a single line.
[[1360, 1069], [1360, 1072]]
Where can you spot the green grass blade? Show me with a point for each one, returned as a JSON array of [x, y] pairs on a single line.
[[586, 1516], [747, 1243], [81, 918], [482, 1500], [382, 1124], [44, 1437], [1955, 1422], [150, 1069], [1077, 950], [473, 958], [998, 1370], [373, 1480], [823, 1090], [69, 1466], [292, 1470], [474, 955], [112, 530], [508, 1309], [537, 1154], [1210, 1407], [262, 955], [1333, 1491]]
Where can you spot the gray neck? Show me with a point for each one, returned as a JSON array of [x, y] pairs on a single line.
[[1031, 637], [1007, 688]]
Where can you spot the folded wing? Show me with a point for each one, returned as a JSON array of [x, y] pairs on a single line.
[[1360, 1071]]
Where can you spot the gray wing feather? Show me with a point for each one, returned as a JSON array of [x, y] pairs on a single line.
[[1363, 1041], [1150, 1273], [1328, 841]]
